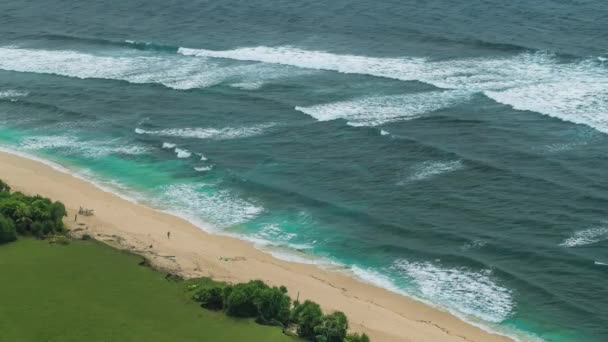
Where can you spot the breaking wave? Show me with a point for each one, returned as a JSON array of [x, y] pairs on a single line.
[[219, 207], [10, 94], [574, 91], [209, 133], [71, 144], [374, 111], [171, 70], [586, 237], [470, 292]]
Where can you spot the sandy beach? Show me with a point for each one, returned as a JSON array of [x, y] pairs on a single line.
[[191, 252]]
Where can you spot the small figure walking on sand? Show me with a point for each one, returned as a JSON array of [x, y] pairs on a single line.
[[168, 235], [75, 217]]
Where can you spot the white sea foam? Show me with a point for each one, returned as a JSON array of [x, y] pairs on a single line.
[[172, 71], [273, 232], [430, 169], [248, 85], [86, 148], [376, 278], [579, 100], [9, 94], [397, 68], [167, 145], [575, 92], [220, 207], [586, 237], [473, 244], [600, 263], [210, 133], [182, 153], [383, 132], [373, 111], [203, 168], [467, 291]]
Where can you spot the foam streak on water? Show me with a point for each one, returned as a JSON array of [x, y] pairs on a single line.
[[4, 94], [430, 169], [574, 91], [375, 111], [209, 133], [470, 292], [586, 237], [220, 207], [170, 70], [71, 144]]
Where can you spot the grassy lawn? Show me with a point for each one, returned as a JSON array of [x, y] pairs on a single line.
[[90, 292]]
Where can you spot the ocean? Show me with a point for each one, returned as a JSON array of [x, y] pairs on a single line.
[[452, 151]]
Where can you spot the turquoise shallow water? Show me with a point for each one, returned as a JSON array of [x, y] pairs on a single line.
[[450, 151]]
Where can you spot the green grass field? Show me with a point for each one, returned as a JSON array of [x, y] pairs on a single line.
[[90, 292]]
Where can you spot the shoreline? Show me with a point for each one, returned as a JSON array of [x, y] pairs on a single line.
[[192, 251]]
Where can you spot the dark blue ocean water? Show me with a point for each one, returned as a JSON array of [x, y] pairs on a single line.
[[454, 151]]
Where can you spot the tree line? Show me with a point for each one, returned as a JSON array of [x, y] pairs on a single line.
[[28, 215], [272, 306]]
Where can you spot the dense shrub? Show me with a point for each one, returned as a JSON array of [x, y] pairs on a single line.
[[273, 305], [212, 297], [4, 187], [307, 316], [332, 328], [29, 215], [8, 232], [356, 338], [240, 299]]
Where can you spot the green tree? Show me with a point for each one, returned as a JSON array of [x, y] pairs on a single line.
[[8, 232], [273, 305], [307, 316], [332, 328], [58, 212], [240, 301], [33, 215], [18, 211]]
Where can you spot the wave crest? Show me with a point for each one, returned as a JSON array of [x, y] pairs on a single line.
[[586, 237], [470, 292], [209, 133]]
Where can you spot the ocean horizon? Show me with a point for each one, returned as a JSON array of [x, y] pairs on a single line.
[[447, 151]]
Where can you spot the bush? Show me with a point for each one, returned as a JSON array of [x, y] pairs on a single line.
[[307, 316], [4, 187], [211, 298], [240, 299], [32, 215], [273, 305], [356, 338], [8, 232], [332, 328]]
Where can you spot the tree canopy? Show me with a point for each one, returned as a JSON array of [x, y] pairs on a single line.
[[28, 215]]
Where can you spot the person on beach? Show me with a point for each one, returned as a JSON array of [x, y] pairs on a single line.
[[168, 235], [75, 217]]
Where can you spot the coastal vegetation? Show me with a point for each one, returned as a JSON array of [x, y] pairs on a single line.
[[272, 306], [28, 215], [110, 296]]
